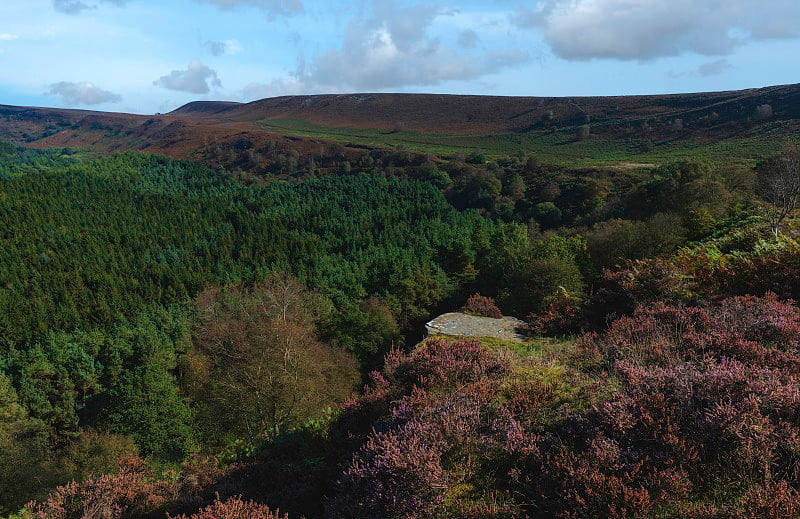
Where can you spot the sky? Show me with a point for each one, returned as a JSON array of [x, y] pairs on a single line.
[[149, 56]]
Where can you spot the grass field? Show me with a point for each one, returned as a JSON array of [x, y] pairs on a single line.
[[557, 147]]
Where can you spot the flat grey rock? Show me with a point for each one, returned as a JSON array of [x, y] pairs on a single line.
[[458, 324]]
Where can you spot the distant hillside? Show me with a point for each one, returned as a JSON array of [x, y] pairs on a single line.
[[741, 126], [475, 114]]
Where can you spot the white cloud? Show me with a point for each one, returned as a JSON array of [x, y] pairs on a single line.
[[196, 79], [218, 48], [272, 7], [77, 6], [468, 39], [714, 68], [276, 88], [8, 37], [648, 29], [390, 47], [83, 93]]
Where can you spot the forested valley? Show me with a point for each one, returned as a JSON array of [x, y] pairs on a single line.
[[187, 342]]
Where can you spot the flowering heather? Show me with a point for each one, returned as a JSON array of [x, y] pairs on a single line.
[[444, 428], [482, 305], [702, 424], [778, 501], [760, 331], [134, 492], [440, 362], [235, 508]]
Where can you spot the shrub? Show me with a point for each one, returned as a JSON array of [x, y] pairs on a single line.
[[619, 292], [778, 501], [244, 333], [724, 423], [95, 452], [482, 305], [759, 331], [562, 316], [540, 281], [450, 416], [442, 363], [717, 430], [134, 492], [234, 508], [396, 473], [598, 483]]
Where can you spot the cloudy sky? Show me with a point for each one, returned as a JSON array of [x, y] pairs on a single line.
[[149, 56]]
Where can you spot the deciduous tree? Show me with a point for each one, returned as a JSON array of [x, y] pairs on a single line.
[[778, 183]]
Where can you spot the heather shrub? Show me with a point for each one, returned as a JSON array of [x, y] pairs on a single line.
[[134, 492], [778, 501], [760, 331], [482, 305], [709, 408], [658, 334], [673, 436], [603, 481], [234, 508], [440, 362], [495, 505], [765, 320], [396, 474], [451, 417], [430, 451], [725, 424]]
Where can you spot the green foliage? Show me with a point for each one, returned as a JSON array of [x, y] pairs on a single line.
[[367, 331], [143, 397], [613, 241], [552, 145], [23, 441], [699, 223], [525, 275], [102, 353], [95, 452], [547, 214], [532, 287], [98, 257], [85, 244]]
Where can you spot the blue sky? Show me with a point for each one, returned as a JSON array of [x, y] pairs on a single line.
[[147, 56]]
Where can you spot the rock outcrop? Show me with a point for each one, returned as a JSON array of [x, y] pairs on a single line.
[[464, 325]]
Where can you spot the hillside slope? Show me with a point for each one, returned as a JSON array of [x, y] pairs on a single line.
[[738, 125], [475, 114]]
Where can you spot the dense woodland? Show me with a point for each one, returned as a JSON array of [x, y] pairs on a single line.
[[226, 343]]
